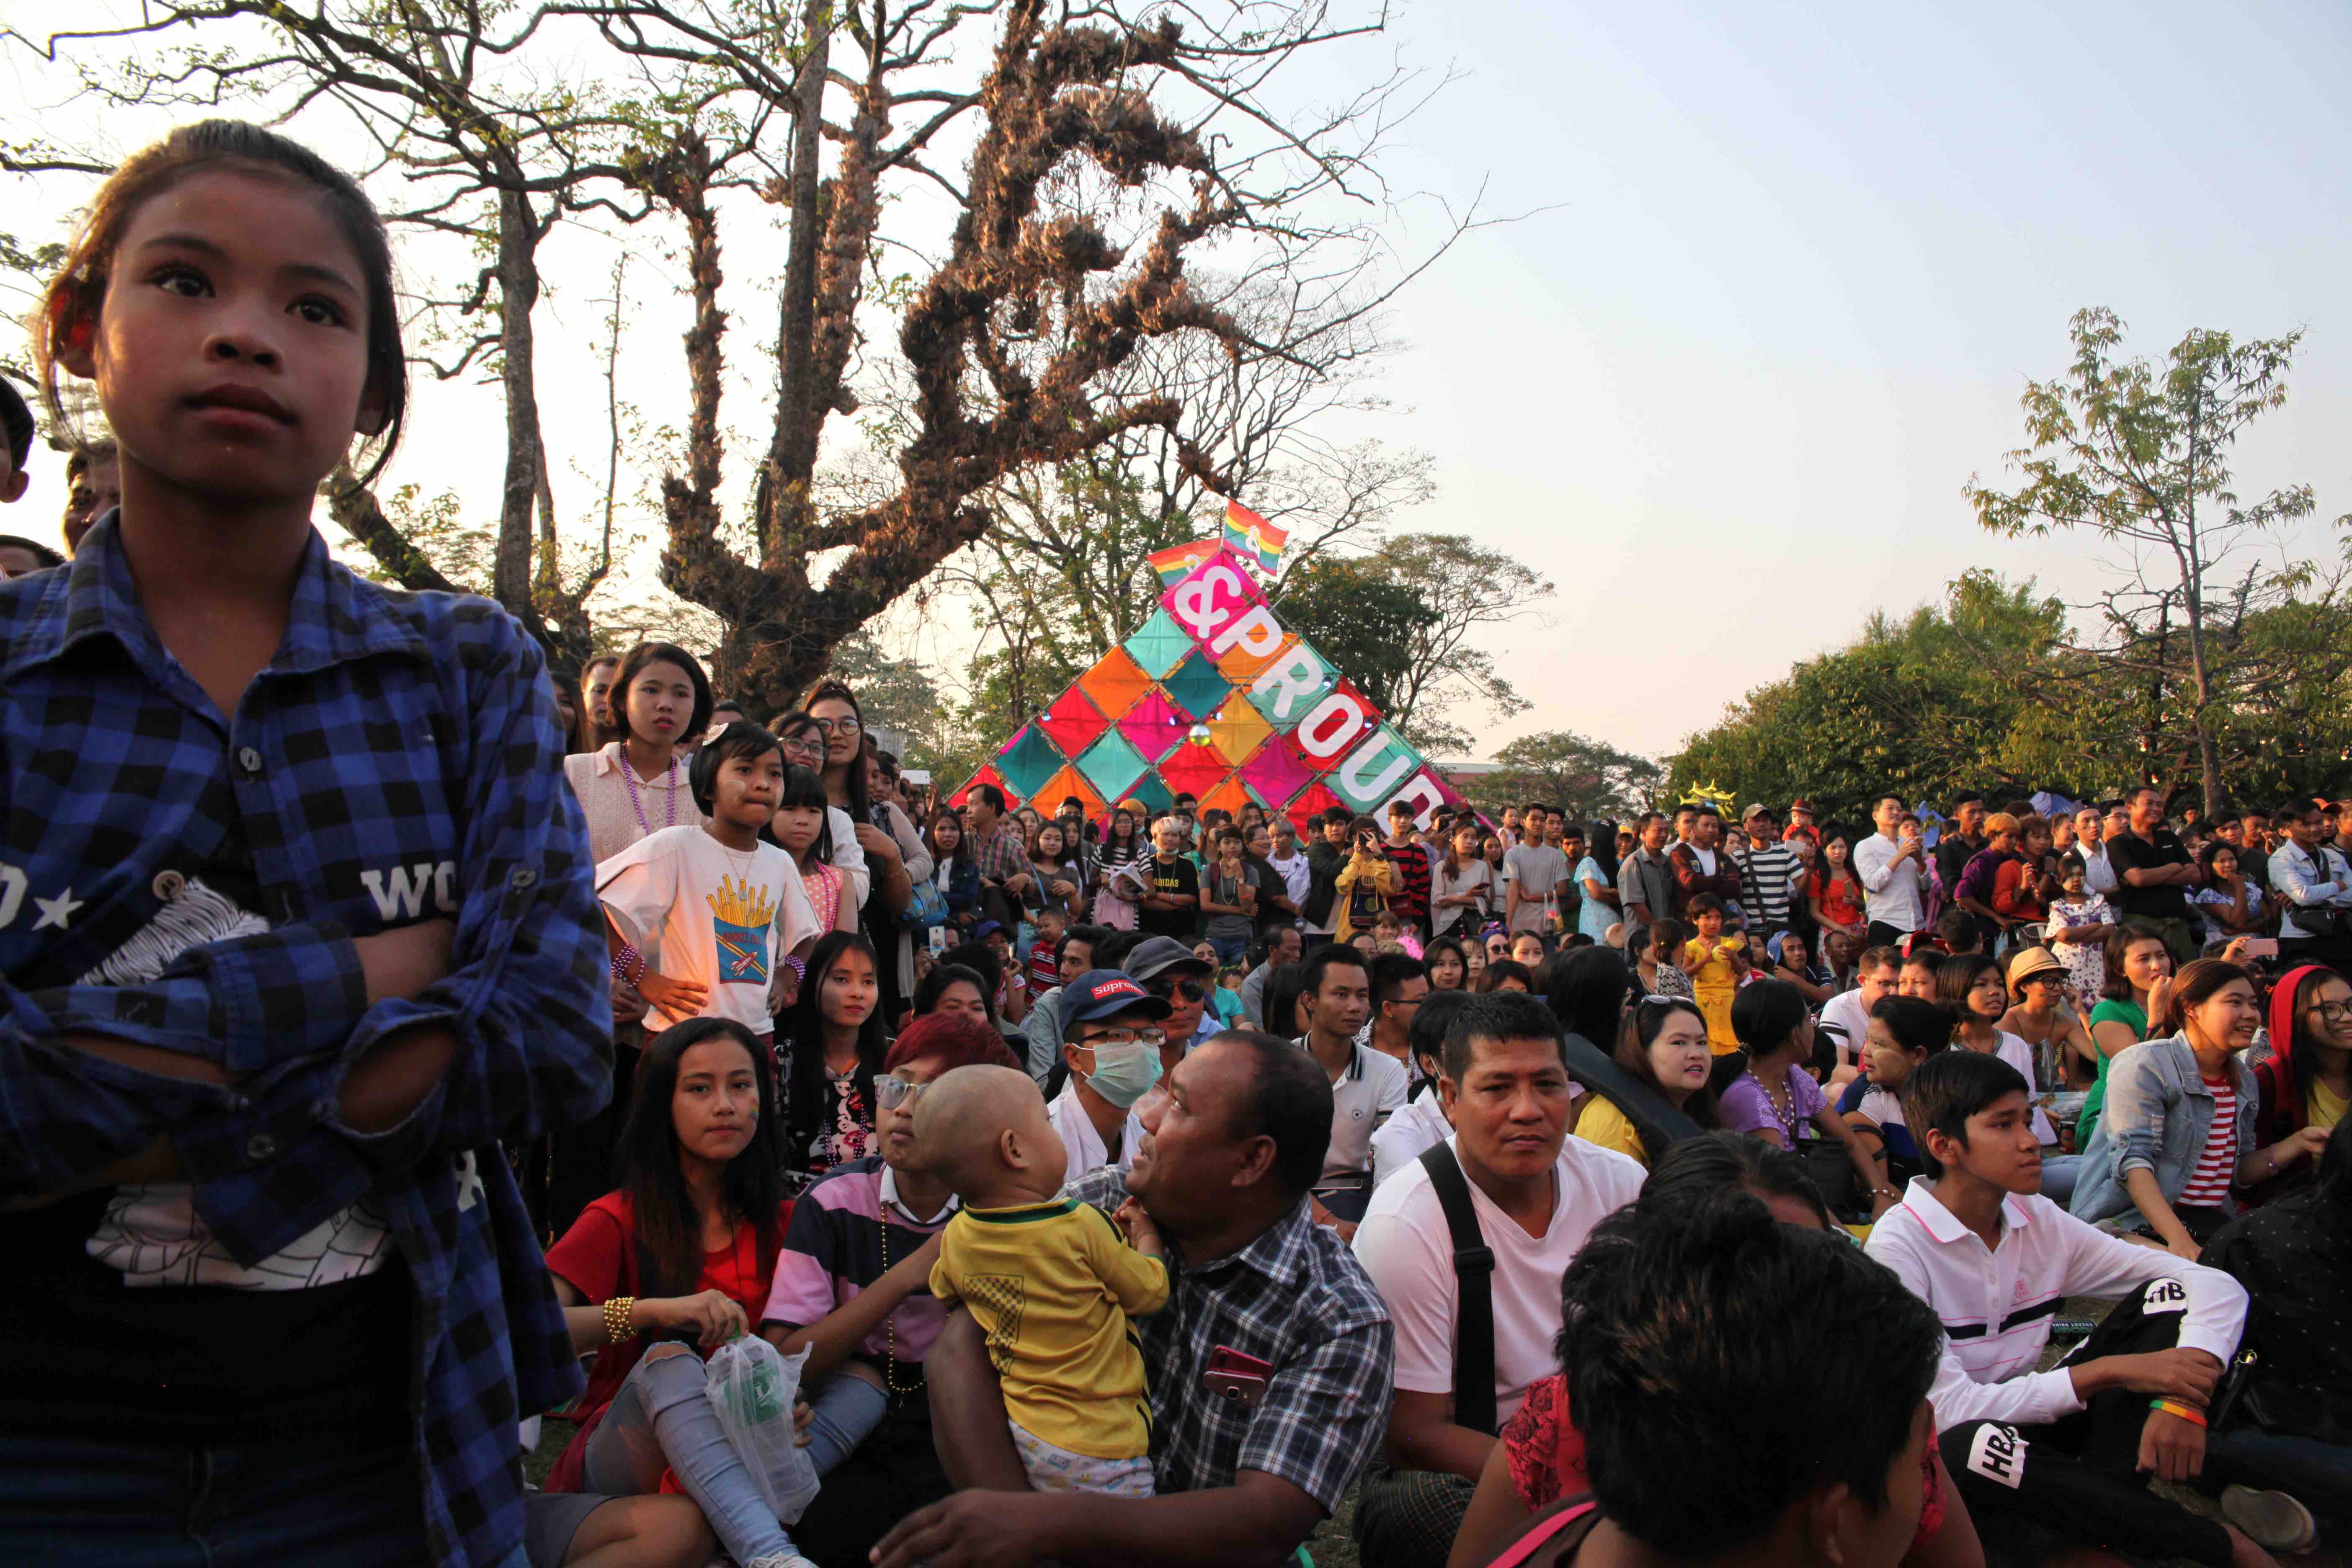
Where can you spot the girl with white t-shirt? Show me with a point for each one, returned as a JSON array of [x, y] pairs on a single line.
[[707, 921]]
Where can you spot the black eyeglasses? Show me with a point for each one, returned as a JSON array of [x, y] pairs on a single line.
[[838, 726]]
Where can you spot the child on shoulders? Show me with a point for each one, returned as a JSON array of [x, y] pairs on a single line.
[[1050, 1281]]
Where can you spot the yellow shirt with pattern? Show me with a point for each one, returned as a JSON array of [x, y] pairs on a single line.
[[1052, 1285]]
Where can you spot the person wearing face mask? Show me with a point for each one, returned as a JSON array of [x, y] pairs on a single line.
[[1110, 1041]]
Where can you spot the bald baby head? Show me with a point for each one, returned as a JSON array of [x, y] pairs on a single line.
[[984, 1131]]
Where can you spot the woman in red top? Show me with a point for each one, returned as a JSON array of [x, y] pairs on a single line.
[[1538, 1458], [678, 1261], [2021, 888], [1835, 891]]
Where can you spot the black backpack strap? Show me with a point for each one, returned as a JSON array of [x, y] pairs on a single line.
[[1473, 1276], [1659, 1121]]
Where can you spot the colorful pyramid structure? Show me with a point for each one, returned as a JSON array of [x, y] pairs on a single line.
[[1212, 698]]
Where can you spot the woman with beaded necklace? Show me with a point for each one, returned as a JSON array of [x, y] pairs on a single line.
[[630, 789], [635, 786], [1775, 1100]]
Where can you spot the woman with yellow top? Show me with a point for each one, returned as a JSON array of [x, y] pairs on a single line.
[[1716, 964], [1663, 1044], [1366, 883]]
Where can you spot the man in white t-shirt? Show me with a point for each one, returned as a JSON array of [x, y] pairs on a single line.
[[1535, 1194], [705, 918], [1367, 1085], [1848, 1012]]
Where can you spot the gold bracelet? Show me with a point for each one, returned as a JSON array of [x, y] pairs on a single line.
[[616, 1319]]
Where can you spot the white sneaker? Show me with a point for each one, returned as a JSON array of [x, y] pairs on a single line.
[[781, 1560], [2274, 1520]]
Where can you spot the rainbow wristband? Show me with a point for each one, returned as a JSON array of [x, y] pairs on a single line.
[[2175, 1408]]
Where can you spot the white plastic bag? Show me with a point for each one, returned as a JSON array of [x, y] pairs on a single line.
[[752, 1388]]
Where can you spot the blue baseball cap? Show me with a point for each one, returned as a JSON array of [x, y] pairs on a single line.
[[1101, 994]]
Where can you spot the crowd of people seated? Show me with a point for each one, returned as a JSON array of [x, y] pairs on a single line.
[[1376, 1106], [400, 1048]]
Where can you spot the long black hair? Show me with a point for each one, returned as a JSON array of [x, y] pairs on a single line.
[[951, 971], [753, 1188], [71, 303], [805, 1096], [861, 808], [1278, 1001], [804, 791], [1587, 989]]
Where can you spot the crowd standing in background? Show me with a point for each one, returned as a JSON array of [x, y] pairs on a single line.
[[402, 1047]]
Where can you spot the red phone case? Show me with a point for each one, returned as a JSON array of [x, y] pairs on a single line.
[[1236, 1376]]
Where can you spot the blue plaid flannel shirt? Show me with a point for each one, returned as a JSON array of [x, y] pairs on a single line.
[[397, 759]]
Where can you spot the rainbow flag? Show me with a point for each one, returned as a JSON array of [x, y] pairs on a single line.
[[1178, 560], [1254, 537]]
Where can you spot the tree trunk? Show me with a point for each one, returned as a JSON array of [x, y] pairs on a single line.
[[791, 456], [2208, 762], [510, 574]]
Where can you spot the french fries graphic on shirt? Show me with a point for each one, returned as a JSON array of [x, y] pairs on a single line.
[[741, 915]]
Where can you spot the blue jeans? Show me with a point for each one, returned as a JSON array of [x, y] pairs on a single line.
[[149, 1505], [1229, 949], [2317, 1473], [2058, 1175], [662, 1419]]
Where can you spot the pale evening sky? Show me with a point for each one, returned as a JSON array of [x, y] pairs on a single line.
[[1796, 265]]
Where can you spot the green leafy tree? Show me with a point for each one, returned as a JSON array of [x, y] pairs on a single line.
[[1364, 622], [1910, 707], [2140, 455], [1590, 780], [1987, 691], [1468, 590]]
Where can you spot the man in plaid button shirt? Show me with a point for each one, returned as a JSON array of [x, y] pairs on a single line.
[[1223, 1169], [1000, 854]]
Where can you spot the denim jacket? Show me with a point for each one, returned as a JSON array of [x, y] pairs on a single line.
[[2158, 1113]]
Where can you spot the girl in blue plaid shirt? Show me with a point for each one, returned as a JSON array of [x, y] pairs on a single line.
[[296, 923]]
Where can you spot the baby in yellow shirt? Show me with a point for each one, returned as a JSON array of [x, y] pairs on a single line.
[[1050, 1281]]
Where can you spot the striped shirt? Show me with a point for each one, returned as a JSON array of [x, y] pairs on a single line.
[[840, 1242], [1996, 1304], [1768, 881], [2208, 1183], [1412, 862]]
